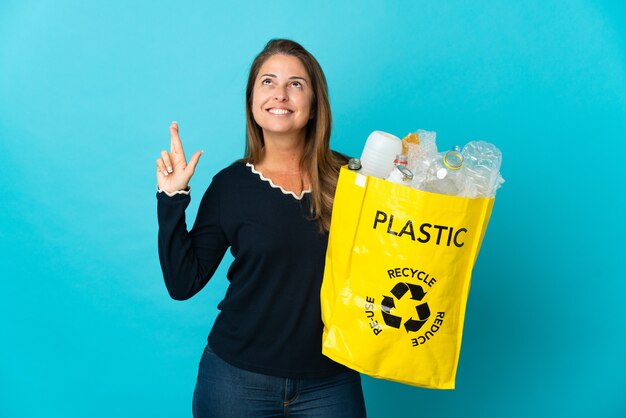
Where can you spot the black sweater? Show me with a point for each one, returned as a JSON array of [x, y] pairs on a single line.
[[269, 320]]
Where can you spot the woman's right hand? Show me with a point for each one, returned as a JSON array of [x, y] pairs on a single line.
[[173, 172]]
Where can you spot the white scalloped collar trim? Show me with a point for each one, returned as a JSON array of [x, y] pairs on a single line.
[[276, 186]]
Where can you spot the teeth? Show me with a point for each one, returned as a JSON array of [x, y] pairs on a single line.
[[279, 111]]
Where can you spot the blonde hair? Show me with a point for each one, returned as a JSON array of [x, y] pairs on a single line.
[[318, 161]]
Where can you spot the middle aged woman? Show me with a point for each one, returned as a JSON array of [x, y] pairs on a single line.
[[273, 210]]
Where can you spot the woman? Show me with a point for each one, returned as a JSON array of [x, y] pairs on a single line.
[[272, 209]]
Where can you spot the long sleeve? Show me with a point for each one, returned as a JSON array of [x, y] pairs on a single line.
[[269, 320], [189, 259]]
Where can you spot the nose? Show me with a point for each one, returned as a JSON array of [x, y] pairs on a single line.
[[280, 94]]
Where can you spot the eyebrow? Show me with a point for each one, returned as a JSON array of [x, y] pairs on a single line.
[[293, 77]]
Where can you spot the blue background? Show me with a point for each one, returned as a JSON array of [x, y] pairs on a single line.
[[88, 88]]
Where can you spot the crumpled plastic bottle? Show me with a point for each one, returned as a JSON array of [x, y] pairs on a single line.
[[421, 156], [446, 175], [482, 162]]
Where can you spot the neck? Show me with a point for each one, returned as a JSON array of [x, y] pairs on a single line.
[[282, 154]]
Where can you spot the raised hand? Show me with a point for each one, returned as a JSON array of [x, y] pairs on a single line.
[[173, 171]]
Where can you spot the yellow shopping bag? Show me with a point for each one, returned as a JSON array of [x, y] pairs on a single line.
[[397, 276]]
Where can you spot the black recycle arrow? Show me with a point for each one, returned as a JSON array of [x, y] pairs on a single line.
[[400, 289], [386, 306], [423, 312], [412, 325]]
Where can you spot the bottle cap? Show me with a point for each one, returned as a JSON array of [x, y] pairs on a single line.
[[453, 159], [354, 164], [401, 159], [407, 175]]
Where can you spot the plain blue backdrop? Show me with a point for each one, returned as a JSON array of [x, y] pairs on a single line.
[[88, 89]]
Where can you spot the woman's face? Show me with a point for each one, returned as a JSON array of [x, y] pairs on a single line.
[[282, 96]]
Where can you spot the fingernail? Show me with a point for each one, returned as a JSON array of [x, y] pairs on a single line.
[[165, 173], [169, 169], [174, 122]]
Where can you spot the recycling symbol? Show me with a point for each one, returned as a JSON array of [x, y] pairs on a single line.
[[422, 309]]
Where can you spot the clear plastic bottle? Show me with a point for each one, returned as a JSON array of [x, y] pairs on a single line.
[[482, 166], [445, 174], [401, 175], [420, 156]]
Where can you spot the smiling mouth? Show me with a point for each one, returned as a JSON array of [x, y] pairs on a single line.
[[274, 111]]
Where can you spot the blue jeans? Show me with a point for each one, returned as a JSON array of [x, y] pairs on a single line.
[[224, 391]]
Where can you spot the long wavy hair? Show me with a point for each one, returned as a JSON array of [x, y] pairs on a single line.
[[318, 161]]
